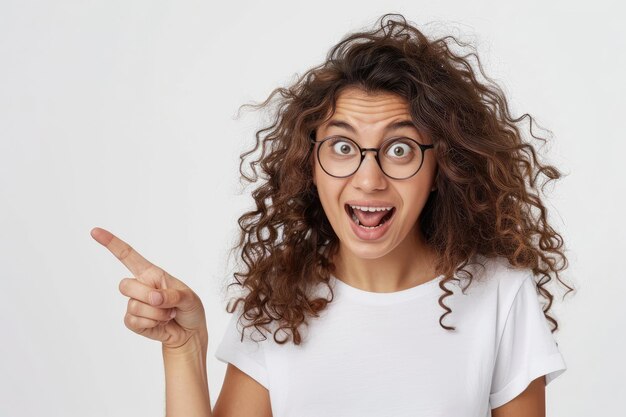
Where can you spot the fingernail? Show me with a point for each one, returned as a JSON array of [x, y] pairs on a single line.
[[156, 298], [173, 313]]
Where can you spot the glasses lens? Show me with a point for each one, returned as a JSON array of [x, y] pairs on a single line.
[[339, 156], [400, 158]]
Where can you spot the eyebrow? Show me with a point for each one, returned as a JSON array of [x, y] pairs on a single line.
[[392, 126]]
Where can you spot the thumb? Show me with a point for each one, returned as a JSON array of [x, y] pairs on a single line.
[[171, 297]]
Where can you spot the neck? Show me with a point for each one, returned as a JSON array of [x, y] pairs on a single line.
[[409, 264]]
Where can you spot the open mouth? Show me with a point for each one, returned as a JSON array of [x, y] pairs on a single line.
[[369, 218]]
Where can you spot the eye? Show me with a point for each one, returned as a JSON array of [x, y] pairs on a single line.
[[399, 149], [342, 147]]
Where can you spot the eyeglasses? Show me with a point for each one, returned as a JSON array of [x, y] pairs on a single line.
[[398, 158]]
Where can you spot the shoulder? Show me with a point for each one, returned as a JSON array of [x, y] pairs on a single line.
[[493, 287], [498, 277]]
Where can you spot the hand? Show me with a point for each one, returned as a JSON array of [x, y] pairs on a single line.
[[151, 317]]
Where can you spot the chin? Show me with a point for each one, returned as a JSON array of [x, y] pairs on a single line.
[[365, 250]]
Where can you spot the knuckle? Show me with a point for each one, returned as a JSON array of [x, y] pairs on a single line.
[[126, 250], [162, 275], [133, 306], [128, 321], [185, 293], [123, 287], [181, 295]]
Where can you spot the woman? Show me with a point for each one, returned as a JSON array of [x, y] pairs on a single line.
[[390, 260]]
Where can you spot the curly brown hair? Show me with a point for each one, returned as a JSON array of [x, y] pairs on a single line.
[[486, 203]]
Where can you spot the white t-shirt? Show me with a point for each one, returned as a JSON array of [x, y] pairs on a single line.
[[385, 354]]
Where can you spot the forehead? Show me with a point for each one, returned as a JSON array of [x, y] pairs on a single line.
[[368, 111]]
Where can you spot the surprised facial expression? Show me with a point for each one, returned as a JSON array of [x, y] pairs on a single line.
[[371, 213]]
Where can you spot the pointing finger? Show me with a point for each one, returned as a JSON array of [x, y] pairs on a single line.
[[135, 263]]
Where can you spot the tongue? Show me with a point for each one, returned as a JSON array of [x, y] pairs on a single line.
[[370, 218]]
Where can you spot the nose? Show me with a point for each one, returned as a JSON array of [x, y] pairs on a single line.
[[369, 177]]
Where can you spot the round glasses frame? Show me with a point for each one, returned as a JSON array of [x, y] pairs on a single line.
[[362, 151]]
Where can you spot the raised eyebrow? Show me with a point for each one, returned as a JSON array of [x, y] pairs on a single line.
[[397, 125], [400, 125], [341, 124]]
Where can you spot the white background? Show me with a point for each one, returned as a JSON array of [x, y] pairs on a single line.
[[120, 114]]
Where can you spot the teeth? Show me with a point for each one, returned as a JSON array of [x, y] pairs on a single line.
[[364, 208], [356, 219], [370, 227]]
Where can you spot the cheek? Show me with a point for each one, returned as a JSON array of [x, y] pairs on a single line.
[[416, 197], [329, 192]]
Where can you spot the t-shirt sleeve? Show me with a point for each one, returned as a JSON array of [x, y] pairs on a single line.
[[527, 348], [247, 355]]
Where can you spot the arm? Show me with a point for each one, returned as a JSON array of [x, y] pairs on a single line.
[[530, 403], [184, 340], [187, 389], [186, 384]]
